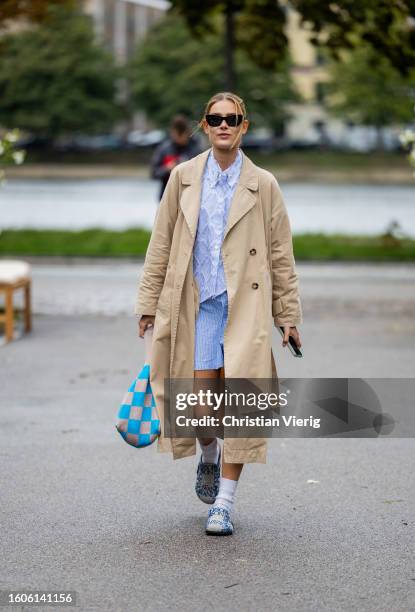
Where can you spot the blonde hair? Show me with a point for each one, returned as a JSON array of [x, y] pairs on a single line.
[[240, 109]]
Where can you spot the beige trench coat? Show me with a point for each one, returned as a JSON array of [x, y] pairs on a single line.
[[258, 228]]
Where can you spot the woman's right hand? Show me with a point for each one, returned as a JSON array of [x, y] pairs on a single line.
[[144, 322]]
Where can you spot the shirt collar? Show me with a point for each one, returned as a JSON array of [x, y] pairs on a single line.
[[214, 171]]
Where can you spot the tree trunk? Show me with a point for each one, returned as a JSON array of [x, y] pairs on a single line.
[[229, 47]]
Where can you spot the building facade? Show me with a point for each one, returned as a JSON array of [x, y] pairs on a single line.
[[121, 24], [310, 122]]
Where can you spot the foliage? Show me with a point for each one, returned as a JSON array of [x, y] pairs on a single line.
[[8, 152], [172, 72], [54, 79], [259, 26], [32, 10], [365, 88], [386, 26]]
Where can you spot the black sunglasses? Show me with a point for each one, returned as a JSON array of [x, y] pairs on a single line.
[[231, 120]]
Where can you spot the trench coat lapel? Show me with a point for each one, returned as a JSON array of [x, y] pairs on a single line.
[[190, 198], [243, 198]]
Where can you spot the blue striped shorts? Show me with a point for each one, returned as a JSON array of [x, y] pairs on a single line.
[[210, 326]]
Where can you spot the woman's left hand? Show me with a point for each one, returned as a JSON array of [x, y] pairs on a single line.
[[293, 332]]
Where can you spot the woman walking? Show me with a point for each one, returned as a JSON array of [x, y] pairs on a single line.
[[219, 270]]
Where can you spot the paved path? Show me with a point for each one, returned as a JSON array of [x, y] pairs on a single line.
[[357, 317], [81, 510]]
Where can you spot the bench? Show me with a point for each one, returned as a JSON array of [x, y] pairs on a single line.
[[15, 275]]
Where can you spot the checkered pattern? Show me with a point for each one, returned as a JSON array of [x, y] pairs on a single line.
[[138, 418]]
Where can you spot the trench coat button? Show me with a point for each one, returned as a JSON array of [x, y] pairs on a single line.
[[254, 285], [252, 252]]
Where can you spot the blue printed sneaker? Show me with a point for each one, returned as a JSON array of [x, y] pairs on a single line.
[[207, 480], [219, 522]]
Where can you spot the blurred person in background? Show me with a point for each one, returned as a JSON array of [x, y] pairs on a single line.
[[178, 147]]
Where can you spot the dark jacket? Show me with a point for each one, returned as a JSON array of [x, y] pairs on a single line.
[[165, 152]]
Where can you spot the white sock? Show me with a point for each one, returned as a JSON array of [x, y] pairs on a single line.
[[226, 495], [210, 452]]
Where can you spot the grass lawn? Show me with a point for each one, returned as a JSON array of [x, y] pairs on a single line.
[[133, 242]]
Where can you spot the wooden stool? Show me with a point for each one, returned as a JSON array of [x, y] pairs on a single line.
[[15, 275]]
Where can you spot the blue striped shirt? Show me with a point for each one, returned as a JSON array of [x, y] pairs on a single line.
[[218, 187]]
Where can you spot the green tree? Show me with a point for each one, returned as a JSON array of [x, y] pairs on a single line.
[[258, 27], [172, 72], [55, 79], [366, 89], [254, 26], [386, 26]]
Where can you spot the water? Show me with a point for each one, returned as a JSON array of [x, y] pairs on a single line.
[[129, 202]]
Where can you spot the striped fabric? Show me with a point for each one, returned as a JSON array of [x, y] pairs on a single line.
[[210, 327], [218, 188]]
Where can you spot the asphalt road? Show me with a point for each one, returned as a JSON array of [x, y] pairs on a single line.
[[122, 527]]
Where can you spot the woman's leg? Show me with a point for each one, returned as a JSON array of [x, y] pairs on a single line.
[[208, 469], [203, 381], [219, 518]]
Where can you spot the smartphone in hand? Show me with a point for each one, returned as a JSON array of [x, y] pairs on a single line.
[[291, 344]]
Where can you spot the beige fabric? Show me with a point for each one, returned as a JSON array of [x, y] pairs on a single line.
[[169, 291]]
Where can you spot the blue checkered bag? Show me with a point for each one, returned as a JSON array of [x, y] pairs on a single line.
[[138, 417]]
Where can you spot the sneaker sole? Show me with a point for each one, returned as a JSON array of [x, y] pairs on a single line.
[[206, 500], [218, 533]]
